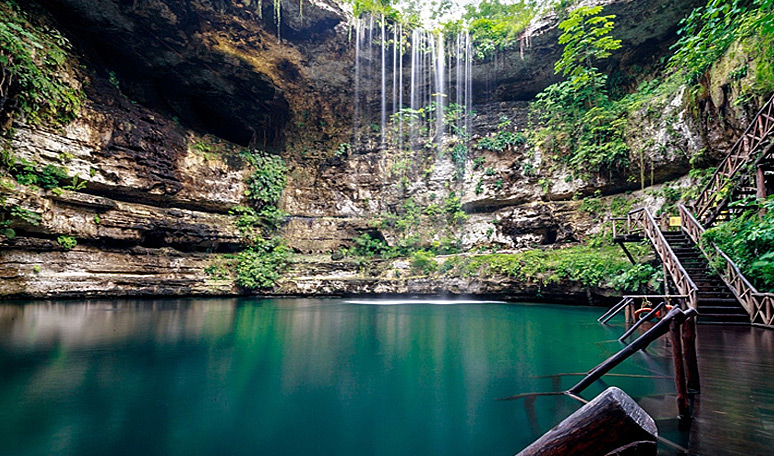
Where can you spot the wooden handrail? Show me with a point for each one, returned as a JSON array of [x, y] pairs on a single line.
[[759, 132], [760, 306], [718, 208], [667, 256]]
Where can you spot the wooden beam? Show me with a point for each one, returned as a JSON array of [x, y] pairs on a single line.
[[658, 330], [684, 413], [642, 320], [628, 254], [614, 310], [612, 423], [689, 352], [760, 183]]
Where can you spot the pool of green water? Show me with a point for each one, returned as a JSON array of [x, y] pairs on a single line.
[[298, 376]]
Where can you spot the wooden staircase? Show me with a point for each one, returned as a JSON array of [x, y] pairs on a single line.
[[745, 174], [715, 303]]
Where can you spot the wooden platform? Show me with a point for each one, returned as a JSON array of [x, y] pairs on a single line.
[[734, 415]]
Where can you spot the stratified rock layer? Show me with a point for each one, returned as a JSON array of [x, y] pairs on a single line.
[[150, 208]]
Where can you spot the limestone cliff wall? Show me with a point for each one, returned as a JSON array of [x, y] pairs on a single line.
[[151, 215]]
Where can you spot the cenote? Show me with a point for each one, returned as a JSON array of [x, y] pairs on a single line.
[[298, 376]]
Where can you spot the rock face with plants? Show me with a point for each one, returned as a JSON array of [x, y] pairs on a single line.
[[207, 147]]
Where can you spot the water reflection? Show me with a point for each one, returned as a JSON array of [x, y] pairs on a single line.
[[74, 325], [291, 376]]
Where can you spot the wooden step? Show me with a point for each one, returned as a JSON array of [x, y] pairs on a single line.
[[717, 301], [724, 319], [724, 294], [730, 311]]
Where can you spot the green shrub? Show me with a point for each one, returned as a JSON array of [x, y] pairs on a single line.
[[709, 30], [368, 246], [67, 242], [260, 266], [592, 204], [268, 180], [36, 60], [585, 265], [636, 277], [579, 123], [749, 241], [423, 261]]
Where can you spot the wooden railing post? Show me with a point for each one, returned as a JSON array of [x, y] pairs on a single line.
[[683, 409], [757, 133], [689, 352]]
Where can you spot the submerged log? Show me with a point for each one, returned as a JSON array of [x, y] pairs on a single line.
[[611, 424]]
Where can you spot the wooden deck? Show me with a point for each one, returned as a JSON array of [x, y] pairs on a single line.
[[734, 415]]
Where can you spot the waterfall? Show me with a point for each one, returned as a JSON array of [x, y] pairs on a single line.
[[383, 124], [440, 87], [432, 70], [356, 116]]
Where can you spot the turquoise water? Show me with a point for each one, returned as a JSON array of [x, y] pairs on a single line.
[[296, 376]]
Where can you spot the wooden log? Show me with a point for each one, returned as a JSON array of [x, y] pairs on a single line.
[[689, 352], [683, 410], [607, 425]]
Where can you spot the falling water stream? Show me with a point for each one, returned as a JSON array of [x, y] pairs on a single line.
[[437, 68]]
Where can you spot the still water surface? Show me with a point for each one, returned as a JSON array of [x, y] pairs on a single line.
[[295, 376]]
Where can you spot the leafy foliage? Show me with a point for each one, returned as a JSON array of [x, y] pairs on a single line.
[[412, 228], [586, 39], [709, 30], [260, 265], [67, 242], [266, 183], [10, 214], [266, 255], [585, 265], [423, 261], [636, 277], [32, 65], [495, 25], [503, 138], [749, 241], [579, 122]]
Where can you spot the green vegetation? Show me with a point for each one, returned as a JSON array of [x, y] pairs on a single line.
[[429, 228], [588, 266], [495, 25], [33, 62], [266, 255], [10, 214], [708, 31], [67, 242], [343, 150], [268, 180], [578, 121], [423, 261], [749, 241], [503, 138], [260, 265]]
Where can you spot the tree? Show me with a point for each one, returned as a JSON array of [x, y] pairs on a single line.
[[586, 40], [579, 121]]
